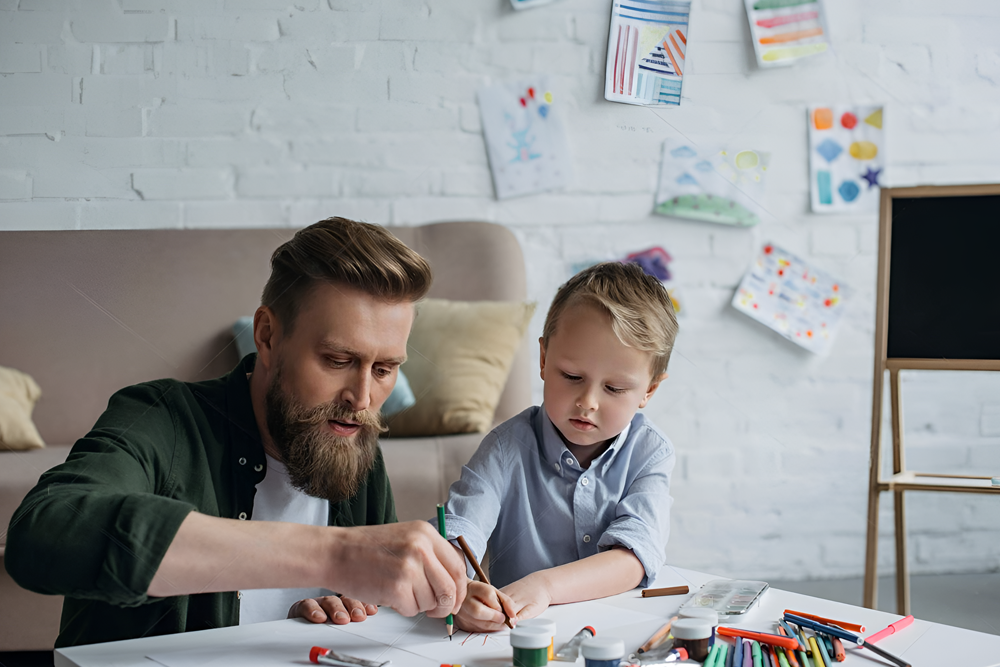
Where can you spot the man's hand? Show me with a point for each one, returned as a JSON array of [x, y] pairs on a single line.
[[481, 610], [332, 608], [407, 566], [530, 596]]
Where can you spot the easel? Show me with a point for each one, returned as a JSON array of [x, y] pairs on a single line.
[[903, 480]]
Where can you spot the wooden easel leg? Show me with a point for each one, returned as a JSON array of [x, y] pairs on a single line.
[[902, 564], [871, 551]]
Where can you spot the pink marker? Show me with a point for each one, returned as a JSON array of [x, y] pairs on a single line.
[[892, 629]]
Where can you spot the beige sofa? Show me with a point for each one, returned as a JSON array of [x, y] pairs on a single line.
[[88, 312]]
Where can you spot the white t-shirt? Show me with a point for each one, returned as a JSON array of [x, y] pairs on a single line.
[[277, 500]]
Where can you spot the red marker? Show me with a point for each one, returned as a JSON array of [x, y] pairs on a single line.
[[892, 629]]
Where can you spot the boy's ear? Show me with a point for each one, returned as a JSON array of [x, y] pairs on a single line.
[[541, 357], [653, 386]]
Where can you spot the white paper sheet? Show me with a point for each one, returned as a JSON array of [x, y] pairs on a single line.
[[784, 31], [846, 157]]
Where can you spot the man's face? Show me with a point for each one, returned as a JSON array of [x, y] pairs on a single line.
[[328, 382]]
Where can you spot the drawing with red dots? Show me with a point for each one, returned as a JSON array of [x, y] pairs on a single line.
[[798, 301]]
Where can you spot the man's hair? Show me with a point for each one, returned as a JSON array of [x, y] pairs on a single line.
[[642, 315], [341, 251]]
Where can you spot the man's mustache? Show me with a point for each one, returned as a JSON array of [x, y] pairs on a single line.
[[341, 412]]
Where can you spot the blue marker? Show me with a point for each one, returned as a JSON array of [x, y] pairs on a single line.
[[828, 629]]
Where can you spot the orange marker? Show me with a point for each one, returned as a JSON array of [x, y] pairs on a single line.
[[792, 660], [762, 637], [853, 627]]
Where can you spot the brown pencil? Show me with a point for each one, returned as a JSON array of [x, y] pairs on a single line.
[[657, 637], [482, 575], [658, 592]]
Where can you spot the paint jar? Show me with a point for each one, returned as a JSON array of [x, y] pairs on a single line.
[[546, 624], [531, 646], [692, 634], [704, 614], [603, 651]]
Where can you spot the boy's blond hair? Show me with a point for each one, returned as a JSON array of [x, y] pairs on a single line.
[[642, 315]]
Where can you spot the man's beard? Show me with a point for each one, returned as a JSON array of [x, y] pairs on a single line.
[[319, 462]]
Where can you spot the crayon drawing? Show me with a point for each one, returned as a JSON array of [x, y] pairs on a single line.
[[784, 293], [715, 185], [525, 137], [846, 157], [784, 31], [647, 52]]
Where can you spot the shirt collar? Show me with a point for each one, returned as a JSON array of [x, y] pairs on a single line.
[[555, 451], [243, 431]]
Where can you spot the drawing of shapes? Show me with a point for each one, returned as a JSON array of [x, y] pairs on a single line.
[[849, 190], [780, 4], [849, 120], [830, 149], [822, 118], [686, 179], [875, 119], [708, 208], [747, 160], [863, 150], [824, 187], [704, 166], [647, 44], [683, 152]]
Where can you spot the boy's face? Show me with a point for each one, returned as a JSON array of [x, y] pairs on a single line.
[[593, 382]]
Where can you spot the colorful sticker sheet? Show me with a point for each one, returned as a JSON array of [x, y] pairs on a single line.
[[785, 30], [791, 297], [723, 185], [846, 157], [525, 137], [647, 52]]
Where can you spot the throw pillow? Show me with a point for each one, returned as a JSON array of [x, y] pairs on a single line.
[[400, 398], [18, 394], [459, 357]]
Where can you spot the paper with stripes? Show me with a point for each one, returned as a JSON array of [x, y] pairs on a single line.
[[784, 31], [647, 51]]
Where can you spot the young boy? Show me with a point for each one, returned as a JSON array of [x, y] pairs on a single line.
[[572, 497]]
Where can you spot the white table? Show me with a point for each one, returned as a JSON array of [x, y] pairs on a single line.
[[421, 641]]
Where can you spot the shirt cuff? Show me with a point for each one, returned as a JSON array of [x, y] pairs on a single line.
[[646, 550]]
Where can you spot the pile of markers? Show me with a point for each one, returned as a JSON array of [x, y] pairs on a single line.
[[791, 647]]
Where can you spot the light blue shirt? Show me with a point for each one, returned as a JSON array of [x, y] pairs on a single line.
[[525, 494]]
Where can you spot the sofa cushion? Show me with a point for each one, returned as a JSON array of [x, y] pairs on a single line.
[[459, 356], [19, 472], [18, 394]]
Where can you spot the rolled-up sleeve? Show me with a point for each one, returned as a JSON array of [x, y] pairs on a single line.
[[474, 501], [642, 516], [97, 526]]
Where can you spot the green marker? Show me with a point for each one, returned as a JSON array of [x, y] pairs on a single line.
[[449, 623], [755, 653], [721, 660], [782, 660], [713, 656]]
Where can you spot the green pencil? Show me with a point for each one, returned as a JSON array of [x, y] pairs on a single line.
[[755, 653], [449, 623]]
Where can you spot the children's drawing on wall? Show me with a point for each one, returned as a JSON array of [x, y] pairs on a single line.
[[784, 31], [525, 137], [654, 261], [791, 297], [846, 157], [524, 4], [724, 185], [647, 52]]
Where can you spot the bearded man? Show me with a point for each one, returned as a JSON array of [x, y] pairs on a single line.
[[196, 505]]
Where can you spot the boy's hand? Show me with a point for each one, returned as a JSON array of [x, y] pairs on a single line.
[[530, 595], [481, 610], [333, 608]]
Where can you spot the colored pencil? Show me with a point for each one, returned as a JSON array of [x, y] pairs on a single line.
[[747, 654], [817, 657], [891, 629], [739, 652], [839, 654], [791, 654], [482, 575], [660, 592], [731, 655], [820, 640], [853, 627], [755, 653], [831, 630], [657, 637], [713, 655], [449, 623]]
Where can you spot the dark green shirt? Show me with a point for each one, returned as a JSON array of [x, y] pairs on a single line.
[[96, 528]]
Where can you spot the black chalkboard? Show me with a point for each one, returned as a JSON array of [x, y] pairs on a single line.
[[944, 278]]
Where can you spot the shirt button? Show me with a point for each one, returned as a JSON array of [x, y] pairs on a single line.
[[243, 516], [239, 595], [258, 467], [586, 538], [556, 466], [243, 461], [569, 462], [585, 481]]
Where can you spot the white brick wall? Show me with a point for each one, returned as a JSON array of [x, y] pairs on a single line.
[[251, 113]]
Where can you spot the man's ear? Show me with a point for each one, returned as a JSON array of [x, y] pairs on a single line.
[[653, 386], [266, 331], [541, 357]]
